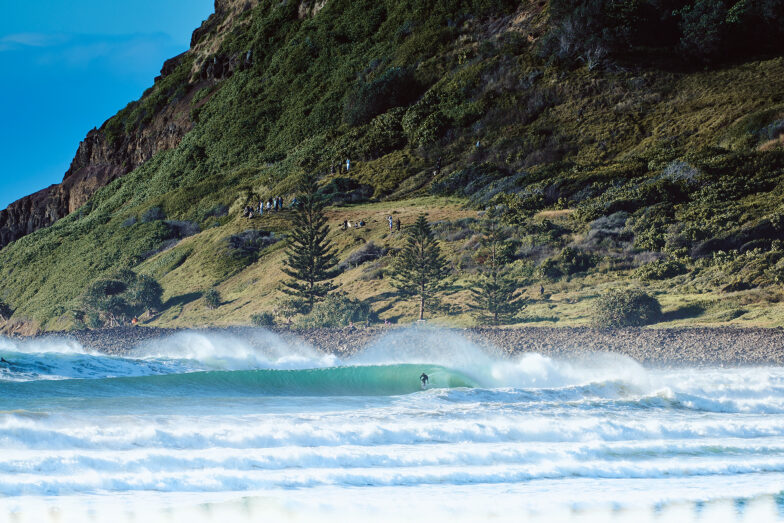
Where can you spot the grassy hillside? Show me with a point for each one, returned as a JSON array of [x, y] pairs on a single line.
[[611, 169]]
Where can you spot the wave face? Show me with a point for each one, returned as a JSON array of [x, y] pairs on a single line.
[[214, 427]]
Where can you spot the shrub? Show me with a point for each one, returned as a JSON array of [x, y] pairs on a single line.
[[626, 308], [338, 310], [248, 244], [569, 261], [660, 270], [182, 229], [122, 296], [287, 308], [93, 320], [153, 214], [264, 319], [212, 298], [703, 28], [5, 311], [395, 87], [368, 252]]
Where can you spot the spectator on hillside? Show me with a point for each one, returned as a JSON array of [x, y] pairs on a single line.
[[397, 224], [389, 219]]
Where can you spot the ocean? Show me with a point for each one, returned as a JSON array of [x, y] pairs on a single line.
[[208, 427]]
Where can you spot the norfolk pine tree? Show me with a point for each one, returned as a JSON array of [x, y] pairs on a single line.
[[420, 269], [310, 260], [493, 297]]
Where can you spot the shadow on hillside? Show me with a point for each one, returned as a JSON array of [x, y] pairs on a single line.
[[383, 297], [182, 299], [684, 313]]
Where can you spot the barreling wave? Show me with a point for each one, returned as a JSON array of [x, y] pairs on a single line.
[[370, 380]]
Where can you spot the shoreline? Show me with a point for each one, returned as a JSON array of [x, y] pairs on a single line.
[[686, 346]]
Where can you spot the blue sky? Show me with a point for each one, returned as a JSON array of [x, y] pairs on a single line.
[[68, 65]]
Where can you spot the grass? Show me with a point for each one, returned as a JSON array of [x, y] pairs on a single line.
[[559, 147]]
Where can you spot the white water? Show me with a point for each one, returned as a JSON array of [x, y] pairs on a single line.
[[600, 439]]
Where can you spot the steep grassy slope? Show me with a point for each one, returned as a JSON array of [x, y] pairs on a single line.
[[669, 178]]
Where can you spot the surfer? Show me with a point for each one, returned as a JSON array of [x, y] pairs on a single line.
[[3, 360], [424, 379]]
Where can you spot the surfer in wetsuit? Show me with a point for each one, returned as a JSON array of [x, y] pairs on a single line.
[[424, 379], [3, 360]]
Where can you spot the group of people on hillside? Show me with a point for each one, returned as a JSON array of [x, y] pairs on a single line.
[[273, 204]]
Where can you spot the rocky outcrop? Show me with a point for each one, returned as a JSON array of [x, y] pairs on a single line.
[[99, 161], [31, 213]]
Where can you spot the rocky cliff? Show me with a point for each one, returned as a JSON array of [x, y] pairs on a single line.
[[102, 157]]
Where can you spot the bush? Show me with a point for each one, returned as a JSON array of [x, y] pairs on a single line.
[[368, 252], [212, 298], [122, 296], [182, 229], [569, 261], [395, 87], [626, 308], [5, 311], [248, 244], [93, 320], [338, 310], [264, 319], [703, 29], [153, 214], [287, 308], [660, 270]]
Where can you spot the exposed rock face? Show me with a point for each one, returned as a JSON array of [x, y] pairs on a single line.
[[31, 213], [98, 162]]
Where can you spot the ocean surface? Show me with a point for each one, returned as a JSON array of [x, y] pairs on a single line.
[[203, 427]]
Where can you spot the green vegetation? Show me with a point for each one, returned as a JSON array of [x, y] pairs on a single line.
[[310, 256], [624, 144], [213, 299], [5, 311], [626, 308], [264, 319], [420, 269], [122, 296], [494, 299], [338, 310]]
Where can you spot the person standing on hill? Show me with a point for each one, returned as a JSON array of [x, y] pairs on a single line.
[[348, 164], [397, 224], [389, 219]]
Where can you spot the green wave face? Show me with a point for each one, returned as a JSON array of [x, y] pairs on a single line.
[[372, 380]]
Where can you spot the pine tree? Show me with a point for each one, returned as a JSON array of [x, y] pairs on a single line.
[[493, 297], [311, 257], [420, 269]]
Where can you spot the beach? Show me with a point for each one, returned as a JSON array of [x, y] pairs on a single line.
[[671, 347]]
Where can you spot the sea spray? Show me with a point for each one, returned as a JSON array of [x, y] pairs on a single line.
[[258, 349], [204, 427]]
